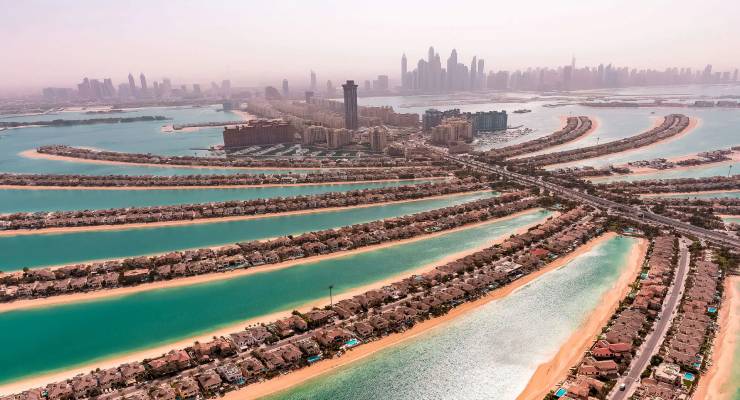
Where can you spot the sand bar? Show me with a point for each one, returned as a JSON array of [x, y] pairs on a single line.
[[550, 373], [694, 122], [716, 384], [32, 153], [114, 361], [45, 231], [217, 276], [187, 187]]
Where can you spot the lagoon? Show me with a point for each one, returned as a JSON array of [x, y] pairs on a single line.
[[501, 343], [63, 336], [39, 250]]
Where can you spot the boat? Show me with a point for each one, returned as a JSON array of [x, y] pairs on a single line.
[[522, 111]]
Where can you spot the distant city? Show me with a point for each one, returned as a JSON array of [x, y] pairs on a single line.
[[428, 77]]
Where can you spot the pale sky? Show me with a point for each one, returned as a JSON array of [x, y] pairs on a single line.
[[58, 42]]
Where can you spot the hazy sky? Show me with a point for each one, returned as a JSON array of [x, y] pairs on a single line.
[[57, 42]]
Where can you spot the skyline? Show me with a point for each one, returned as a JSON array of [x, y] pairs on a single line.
[[204, 46]]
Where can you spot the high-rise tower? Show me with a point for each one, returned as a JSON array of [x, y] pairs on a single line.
[[452, 71], [404, 72], [313, 81], [142, 78], [286, 90], [350, 105], [131, 85]]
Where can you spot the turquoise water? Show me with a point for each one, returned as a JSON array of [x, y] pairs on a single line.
[[64, 248], [718, 128], [140, 137], [730, 220], [21, 200], [489, 353], [62, 336]]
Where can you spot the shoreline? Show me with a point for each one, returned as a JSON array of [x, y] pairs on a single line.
[[33, 154], [141, 225], [284, 382], [713, 386], [139, 354], [595, 124], [195, 187], [668, 194], [218, 276], [550, 373], [694, 122]]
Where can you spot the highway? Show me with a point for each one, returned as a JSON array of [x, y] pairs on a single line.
[[655, 338], [616, 208]]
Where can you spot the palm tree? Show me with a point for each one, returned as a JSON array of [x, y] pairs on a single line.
[[331, 300]]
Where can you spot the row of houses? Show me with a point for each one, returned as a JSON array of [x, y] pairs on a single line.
[[704, 215], [614, 349], [264, 351], [138, 158], [685, 349], [234, 208], [45, 282], [723, 205], [574, 128], [677, 185], [672, 125], [708, 157], [339, 175]]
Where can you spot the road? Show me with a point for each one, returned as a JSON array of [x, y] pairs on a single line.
[[616, 208], [655, 338]]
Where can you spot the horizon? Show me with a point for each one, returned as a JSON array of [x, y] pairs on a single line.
[[114, 40]]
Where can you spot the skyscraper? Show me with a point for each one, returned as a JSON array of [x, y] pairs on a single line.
[[286, 90], [474, 73], [313, 81], [452, 71], [131, 85], [350, 105], [142, 78], [404, 72], [481, 74]]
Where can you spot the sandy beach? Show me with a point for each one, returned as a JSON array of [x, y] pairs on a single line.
[[46, 231], [694, 122], [688, 193], [264, 185], [33, 154], [109, 362], [715, 384], [217, 276], [284, 382], [554, 371], [595, 123]]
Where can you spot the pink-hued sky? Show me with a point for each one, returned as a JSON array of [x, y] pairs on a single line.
[[58, 42]]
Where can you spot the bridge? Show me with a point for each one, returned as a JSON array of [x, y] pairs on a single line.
[[598, 202]]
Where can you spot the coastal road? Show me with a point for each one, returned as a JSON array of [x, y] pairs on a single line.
[[654, 339]]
